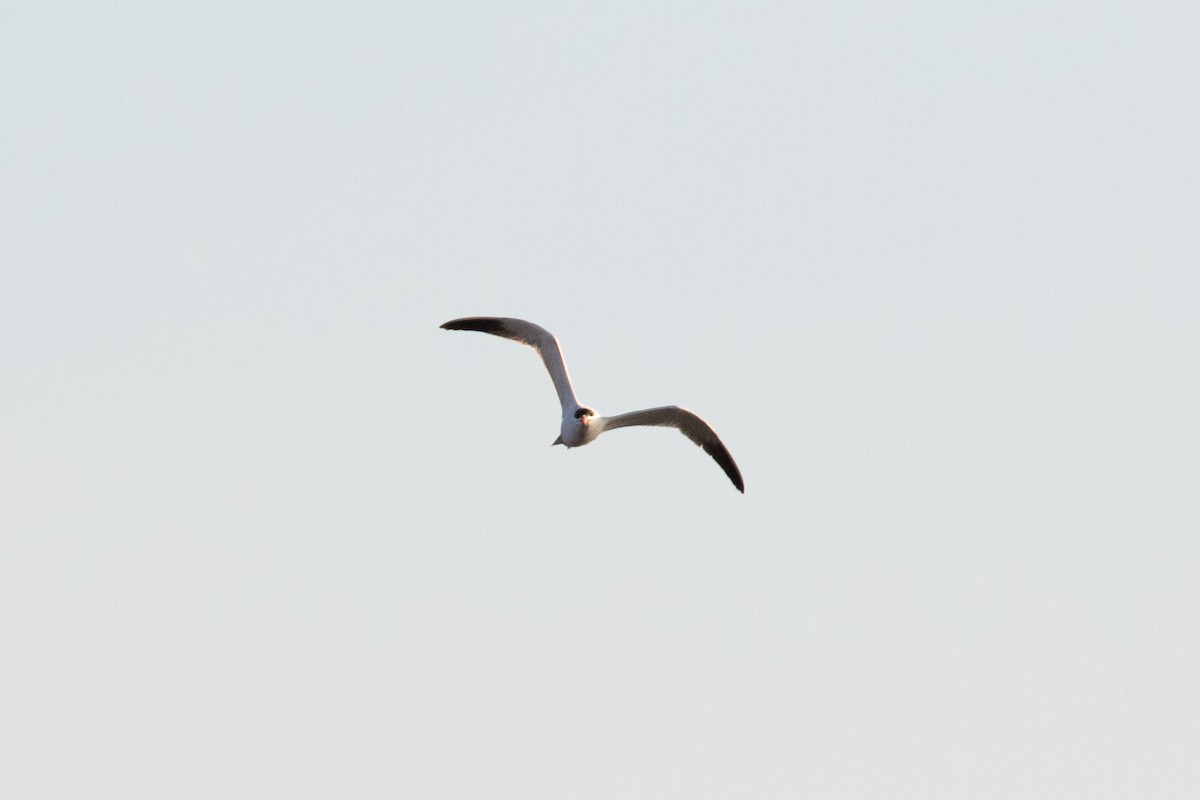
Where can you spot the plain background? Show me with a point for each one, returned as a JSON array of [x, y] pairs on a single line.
[[930, 269]]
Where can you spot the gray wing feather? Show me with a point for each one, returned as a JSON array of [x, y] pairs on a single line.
[[690, 426], [532, 335]]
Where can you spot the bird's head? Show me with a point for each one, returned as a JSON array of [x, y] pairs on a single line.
[[584, 415]]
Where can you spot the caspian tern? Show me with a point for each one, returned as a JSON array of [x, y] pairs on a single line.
[[580, 424]]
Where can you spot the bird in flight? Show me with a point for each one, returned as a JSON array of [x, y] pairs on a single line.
[[580, 424]]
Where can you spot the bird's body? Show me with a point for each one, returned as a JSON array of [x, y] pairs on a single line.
[[580, 428], [580, 424]]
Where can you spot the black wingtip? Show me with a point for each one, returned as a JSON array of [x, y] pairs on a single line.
[[482, 324], [726, 462]]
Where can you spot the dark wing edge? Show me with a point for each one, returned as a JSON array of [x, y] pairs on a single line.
[[691, 426], [532, 335], [712, 445], [493, 325]]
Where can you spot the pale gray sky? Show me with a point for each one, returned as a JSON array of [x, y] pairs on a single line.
[[932, 270]]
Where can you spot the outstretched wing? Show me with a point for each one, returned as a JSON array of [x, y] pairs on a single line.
[[690, 426], [536, 337]]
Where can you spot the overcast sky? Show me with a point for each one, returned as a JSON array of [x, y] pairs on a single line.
[[932, 271]]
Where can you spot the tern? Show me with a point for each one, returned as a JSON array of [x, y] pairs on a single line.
[[580, 424]]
